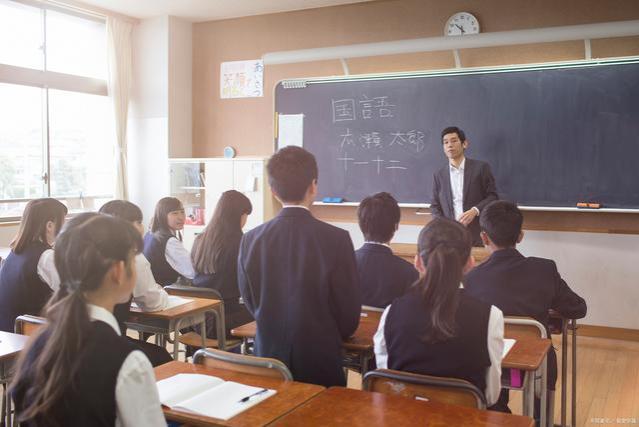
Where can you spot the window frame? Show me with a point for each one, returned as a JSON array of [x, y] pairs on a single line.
[[46, 79]]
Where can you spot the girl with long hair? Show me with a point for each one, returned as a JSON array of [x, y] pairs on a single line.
[[28, 277], [215, 253], [78, 370], [435, 329], [163, 246]]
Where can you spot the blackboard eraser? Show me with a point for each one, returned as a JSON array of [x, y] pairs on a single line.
[[582, 205], [594, 205], [333, 200]]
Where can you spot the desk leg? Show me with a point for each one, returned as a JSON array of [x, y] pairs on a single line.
[[176, 338], [4, 404], [529, 394], [364, 359], [574, 373], [220, 326], [244, 346], [543, 408], [564, 370]]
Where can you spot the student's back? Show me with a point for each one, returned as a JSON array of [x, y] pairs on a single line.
[[297, 277], [23, 288], [214, 254], [435, 328], [382, 275]]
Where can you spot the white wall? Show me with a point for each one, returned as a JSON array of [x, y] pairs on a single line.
[[160, 112], [602, 268]]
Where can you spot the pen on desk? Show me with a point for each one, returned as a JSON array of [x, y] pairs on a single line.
[[247, 398]]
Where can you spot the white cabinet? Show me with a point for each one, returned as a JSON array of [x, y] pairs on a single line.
[[217, 175]]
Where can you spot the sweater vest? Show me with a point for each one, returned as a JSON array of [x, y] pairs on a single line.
[[89, 400], [22, 291], [463, 356], [155, 253]]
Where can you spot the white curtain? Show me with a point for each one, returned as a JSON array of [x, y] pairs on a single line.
[[119, 81]]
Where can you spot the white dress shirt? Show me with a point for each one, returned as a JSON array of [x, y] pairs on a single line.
[[296, 206], [136, 393], [147, 294], [47, 271], [495, 343], [179, 258], [457, 187]]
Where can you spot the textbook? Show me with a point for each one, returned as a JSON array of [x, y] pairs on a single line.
[[209, 396], [173, 301]]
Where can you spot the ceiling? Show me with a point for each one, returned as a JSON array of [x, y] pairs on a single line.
[[208, 10]]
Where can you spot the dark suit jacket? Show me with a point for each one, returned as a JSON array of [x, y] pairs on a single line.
[[521, 286], [298, 278], [382, 275], [479, 191]]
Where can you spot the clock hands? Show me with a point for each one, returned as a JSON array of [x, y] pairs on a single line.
[[460, 28]]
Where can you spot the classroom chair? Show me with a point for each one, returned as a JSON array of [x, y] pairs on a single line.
[[526, 328], [28, 324], [193, 338], [424, 387], [254, 365]]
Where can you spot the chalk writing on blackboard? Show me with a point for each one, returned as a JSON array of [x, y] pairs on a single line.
[[370, 140], [343, 110], [345, 159], [347, 138], [378, 104]]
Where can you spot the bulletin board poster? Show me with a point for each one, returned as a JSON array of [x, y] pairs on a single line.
[[242, 79]]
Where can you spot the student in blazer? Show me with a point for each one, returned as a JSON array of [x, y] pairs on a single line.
[[463, 187], [436, 328], [298, 278], [382, 275], [519, 285], [28, 277], [78, 370]]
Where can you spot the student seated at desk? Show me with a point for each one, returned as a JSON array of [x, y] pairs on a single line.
[[298, 278], [163, 244], [77, 370], [519, 285], [382, 275], [436, 328], [28, 277], [215, 253]]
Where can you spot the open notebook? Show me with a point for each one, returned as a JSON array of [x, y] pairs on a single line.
[[173, 301], [508, 344], [209, 396]]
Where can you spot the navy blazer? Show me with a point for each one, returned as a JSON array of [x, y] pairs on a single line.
[[525, 286], [298, 278], [382, 275], [479, 191]]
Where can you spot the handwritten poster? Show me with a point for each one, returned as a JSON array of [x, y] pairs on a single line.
[[242, 79]]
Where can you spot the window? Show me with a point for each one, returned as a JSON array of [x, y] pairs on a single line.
[[57, 135]]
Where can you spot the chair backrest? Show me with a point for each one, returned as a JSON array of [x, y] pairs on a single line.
[[523, 327], [424, 387], [28, 325], [242, 363]]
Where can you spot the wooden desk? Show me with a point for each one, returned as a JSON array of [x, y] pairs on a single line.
[[10, 346], [173, 319], [361, 342], [290, 394], [407, 251], [339, 406]]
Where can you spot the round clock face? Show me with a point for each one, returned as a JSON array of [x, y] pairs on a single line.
[[461, 24]]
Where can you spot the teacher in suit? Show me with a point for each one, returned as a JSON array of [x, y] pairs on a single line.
[[464, 187], [298, 278]]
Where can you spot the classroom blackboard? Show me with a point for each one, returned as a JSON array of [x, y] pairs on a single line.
[[554, 135]]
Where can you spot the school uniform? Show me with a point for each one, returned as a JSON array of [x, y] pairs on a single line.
[[458, 189], [474, 354], [113, 385], [168, 257], [27, 281], [224, 280], [382, 275], [298, 278], [525, 286]]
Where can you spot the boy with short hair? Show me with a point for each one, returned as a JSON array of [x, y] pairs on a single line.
[[519, 285], [382, 275], [298, 278]]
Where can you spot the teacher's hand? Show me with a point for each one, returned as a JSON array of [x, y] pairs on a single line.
[[467, 217]]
